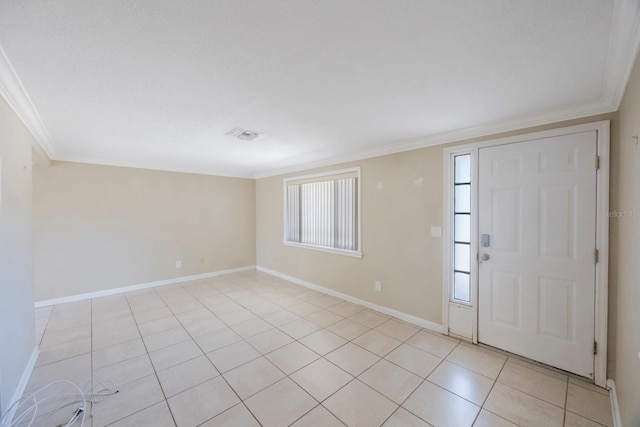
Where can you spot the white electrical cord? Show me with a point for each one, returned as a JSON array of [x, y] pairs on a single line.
[[82, 397]]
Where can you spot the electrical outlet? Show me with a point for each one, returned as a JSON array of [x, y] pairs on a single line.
[[179, 263], [378, 286], [436, 231]]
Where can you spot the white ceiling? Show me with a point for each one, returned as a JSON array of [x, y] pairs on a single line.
[[158, 83]]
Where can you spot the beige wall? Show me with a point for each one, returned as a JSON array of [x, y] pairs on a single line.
[[17, 329], [396, 242], [396, 222], [103, 227], [625, 255]]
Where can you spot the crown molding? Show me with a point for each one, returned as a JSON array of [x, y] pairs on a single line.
[[154, 167], [623, 47], [514, 124], [14, 93], [622, 52]]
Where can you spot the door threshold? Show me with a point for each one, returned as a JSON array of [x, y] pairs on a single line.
[[540, 364]]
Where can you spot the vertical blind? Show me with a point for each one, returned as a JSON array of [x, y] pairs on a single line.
[[323, 212]]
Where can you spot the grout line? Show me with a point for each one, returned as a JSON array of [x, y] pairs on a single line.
[[245, 292], [566, 398], [152, 367]]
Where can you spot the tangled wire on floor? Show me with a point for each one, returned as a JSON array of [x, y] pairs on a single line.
[[28, 408]]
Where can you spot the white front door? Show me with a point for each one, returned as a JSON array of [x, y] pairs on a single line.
[[536, 284]]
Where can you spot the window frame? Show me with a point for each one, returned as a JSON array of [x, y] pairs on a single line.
[[357, 253], [453, 241]]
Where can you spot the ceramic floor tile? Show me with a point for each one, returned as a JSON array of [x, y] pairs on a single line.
[[369, 318], [119, 333], [205, 326], [543, 369], [52, 338], [397, 329], [131, 398], [202, 402], [288, 301], [268, 341], [64, 324], [325, 301], [64, 351], [252, 377], [280, 317], [588, 385], [217, 339], [184, 328], [124, 372], [539, 385], [348, 329], [154, 314], [265, 308], [573, 420], [461, 381], [304, 309], [166, 338], [280, 404], [404, 418], [358, 405], [238, 316], [437, 345], [157, 415], [390, 380], [195, 316], [522, 409], [292, 357], [155, 326], [184, 306], [183, 376], [440, 407], [345, 309], [299, 328], [105, 328], [174, 355], [318, 417], [118, 353], [238, 416], [321, 379], [589, 404], [377, 342], [77, 368], [324, 318], [489, 419], [475, 358], [414, 360], [251, 327], [323, 341], [353, 359], [232, 356]]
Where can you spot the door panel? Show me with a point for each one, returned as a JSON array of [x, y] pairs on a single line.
[[537, 201]]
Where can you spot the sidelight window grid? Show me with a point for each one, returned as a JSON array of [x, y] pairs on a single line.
[[462, 228]]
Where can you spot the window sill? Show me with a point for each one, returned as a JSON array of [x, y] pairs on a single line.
[[354, 254]]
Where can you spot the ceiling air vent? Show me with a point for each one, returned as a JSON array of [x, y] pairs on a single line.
[[243, 134]]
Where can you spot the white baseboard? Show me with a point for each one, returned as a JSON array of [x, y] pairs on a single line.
[[423, 323], [22, 385], [615, 409], [131, 288]]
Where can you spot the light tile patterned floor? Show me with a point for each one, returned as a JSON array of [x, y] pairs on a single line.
[[249, 349]]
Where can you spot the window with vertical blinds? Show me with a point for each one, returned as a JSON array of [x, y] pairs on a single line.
[[323, 211]]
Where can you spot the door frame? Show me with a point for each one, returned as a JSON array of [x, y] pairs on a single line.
[[602, 231]]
